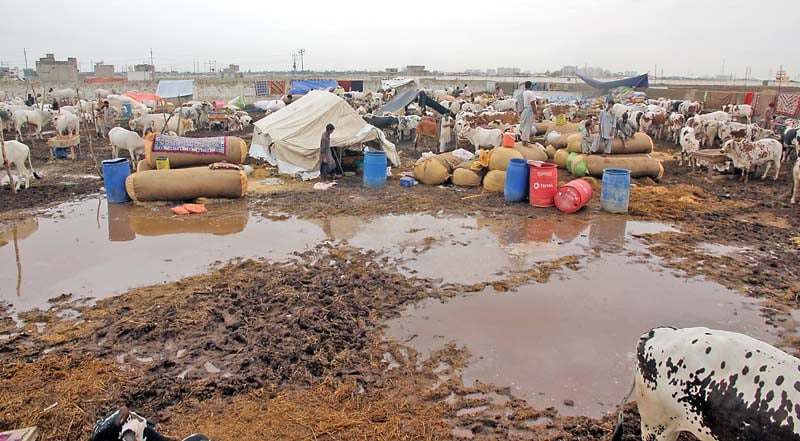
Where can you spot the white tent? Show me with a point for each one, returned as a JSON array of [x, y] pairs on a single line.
[[289, 137]]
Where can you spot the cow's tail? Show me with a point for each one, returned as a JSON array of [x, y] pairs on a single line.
[[617, 435], [30, 163]]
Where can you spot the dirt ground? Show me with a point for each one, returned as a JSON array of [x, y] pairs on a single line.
[[307, 360]]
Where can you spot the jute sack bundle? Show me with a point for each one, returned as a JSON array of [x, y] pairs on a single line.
[[639, 143], [541, 127], [551, 151], [566, 129], [499, 157], [639, 165], [143, 165], [561, 141], [186, 184], [495, 181], [436, 170], [533, 152], [465, 177], [560, 158], [191, 152]]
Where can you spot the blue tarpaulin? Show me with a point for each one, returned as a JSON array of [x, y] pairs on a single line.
[[640, 81], [302, 87], [175, 88]]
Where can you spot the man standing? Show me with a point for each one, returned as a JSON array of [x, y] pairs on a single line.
[[327, 165], [498, 92], [603, 140], [467, 91], [528, 112], [766, 123]]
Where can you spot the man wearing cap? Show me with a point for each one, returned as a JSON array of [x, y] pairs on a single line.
[[607, 123]]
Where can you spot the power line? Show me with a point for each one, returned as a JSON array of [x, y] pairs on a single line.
[[302, 52]]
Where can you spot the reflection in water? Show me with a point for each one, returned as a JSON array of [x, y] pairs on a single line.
[[125, 221], [19, 231]]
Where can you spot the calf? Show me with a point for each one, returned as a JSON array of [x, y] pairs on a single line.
[[739, 110], [710, 129], [689, 144], [746, 154], [121, 138], [67, 124], [791, 139], [17, 153], [716, 385], [676, 121]]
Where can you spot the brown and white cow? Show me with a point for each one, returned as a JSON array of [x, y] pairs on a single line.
[[739, 111], [716, 385], [746, 154], [689, 108], [689, 144], [674, 126]]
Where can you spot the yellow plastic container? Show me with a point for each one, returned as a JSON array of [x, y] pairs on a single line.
[[162, 163]]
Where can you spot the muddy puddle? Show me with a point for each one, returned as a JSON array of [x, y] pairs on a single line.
[[573, 339]]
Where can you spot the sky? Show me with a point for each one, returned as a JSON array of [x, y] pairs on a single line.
[[681, 37]]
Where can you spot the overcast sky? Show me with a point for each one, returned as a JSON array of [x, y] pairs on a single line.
[[681, 36]]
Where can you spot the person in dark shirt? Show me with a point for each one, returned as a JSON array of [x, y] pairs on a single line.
[[327, 165]]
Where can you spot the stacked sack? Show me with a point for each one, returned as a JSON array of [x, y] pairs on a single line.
[[497, 163], [198, 167], [635, 156]]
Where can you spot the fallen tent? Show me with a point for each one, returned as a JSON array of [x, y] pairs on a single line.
[[398, 103], [289, 138]]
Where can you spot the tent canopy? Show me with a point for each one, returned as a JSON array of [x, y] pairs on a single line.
[[142, 96], [292, 135], [640, 81], [175, 88], [302, 87], [396, 83], [405, 98]]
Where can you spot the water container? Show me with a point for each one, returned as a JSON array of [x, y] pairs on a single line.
[[375, 169], [509, 139], [573, 195], [616, 191], [115, 171], [516, 187], [543, 182]]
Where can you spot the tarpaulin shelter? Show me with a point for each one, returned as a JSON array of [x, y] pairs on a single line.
[[399, 84], [175, 88], [640, 81], [302, 87], [405, 98], [290, 137], [142, 96]]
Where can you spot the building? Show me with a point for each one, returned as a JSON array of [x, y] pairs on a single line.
[[415, 70], [508, 71], [49, 69], [141, 72], [392, 70], [491, 72], [568, 71], [103, 70], [473, 72], [232, 71]]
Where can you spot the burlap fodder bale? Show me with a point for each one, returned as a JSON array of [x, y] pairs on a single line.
[[533, 152], [235, 152], [574, 142], [499, 158], [450, 160], [541, 127], [495, 181], [640, 165], [551, 151], [566, 129], [143, 165], [639, 143], [464, 177], [186, 184], [560, 158], [432, 171], [561, 141]]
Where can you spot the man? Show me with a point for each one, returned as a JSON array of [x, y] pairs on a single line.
[[528, 111], [30, 101], [586, 137], [498, 92], [104, 120], [327, 165], [467, 91], [288, 99], [766, 123], [624, 128], [603, 140]]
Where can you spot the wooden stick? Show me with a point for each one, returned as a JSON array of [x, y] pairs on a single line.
[[19, 263], [5, 162]]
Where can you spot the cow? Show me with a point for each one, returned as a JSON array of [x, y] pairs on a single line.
[[270, 106], [386, 123], [709, 134], [160, 122], [67, 124], [746, 154], [102, 93], [17, 153], [36, 117], [503, 105], [427, 127], [795, 179], [739, 111], [689, 108], [121, 138], [406, 125], [478, 136], [676, 121], [716, 385], [689, 144], [730, 130], [66, 95]]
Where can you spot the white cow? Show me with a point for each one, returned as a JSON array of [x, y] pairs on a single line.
[[716, 385], [710, 130], [478, 136], [161, 122], [121, 138], [70, 95], [67, 124], [739, 110], [795, 179], [746, 154], [17, 153], [86, 110], [689, 143], [504, 105], [270, 106], [35, 117], [102, 93]]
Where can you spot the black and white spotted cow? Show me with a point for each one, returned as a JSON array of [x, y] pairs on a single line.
[[717, 385]]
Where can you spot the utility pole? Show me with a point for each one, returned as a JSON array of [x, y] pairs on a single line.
[[25, 52], [151, 57], [294, 62], [302, 67]]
